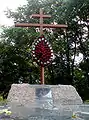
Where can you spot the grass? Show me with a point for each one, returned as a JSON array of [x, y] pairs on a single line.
[[2, 101]]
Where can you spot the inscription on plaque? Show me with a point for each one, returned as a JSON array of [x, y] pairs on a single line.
[[44, 97]]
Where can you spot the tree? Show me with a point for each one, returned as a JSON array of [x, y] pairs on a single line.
[[77, 12], [16, 62]]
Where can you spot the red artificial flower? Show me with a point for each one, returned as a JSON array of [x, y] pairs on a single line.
[[42, 51]]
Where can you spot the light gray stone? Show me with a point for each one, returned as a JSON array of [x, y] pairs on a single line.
[[84, 108], [60, 94], [45, 101], [55, 95], [66, 95], [84, 115]]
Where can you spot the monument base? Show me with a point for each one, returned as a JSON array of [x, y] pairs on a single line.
[[53, 94], [43, 100]]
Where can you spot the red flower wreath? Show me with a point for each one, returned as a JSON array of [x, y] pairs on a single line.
[[42, 51]]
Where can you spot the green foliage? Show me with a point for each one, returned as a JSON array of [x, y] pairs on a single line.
[[17, 53], [1, 98], [86, 101], [2, 101]]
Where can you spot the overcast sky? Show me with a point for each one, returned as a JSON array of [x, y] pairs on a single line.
[[12, 4]]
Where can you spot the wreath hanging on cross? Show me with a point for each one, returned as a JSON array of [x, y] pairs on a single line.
[[42, 51]]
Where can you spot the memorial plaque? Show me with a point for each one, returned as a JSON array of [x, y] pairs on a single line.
[[44, 97]]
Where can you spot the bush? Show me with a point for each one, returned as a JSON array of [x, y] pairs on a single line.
[[86, 101]]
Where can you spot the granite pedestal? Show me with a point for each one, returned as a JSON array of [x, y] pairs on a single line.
[[43, 100]]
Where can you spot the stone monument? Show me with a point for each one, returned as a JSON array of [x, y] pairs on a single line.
[[50, 95], [43, 100], [50, 101]]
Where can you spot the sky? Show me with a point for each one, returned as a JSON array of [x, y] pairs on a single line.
[[12, 4]]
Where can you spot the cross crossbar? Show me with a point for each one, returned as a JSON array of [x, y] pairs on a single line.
[[38, 16], [38, 25]]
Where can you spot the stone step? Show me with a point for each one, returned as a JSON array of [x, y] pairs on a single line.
[[84, 115]]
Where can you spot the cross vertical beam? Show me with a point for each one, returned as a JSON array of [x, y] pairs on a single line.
[[41, 16], [42, 75], [41, 32], [41, 21]]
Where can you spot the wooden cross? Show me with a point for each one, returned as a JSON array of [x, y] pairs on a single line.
[[41, 25]]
